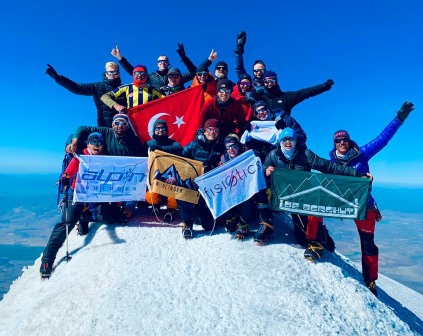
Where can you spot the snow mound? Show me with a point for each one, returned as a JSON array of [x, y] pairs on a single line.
[[145, 279]]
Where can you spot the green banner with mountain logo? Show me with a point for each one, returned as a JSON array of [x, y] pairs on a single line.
[[320, 195]]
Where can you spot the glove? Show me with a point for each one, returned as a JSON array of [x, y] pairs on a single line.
[[329, 82], [241, 39], [280, 124], [181, 50], [154, 147], [251, 97], [247, 126], [378, 215], [51, 72], [65, 181], [405, 110]]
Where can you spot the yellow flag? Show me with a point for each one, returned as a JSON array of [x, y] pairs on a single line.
[[173, 176]]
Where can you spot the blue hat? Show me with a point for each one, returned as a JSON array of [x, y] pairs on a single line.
[[287, 133], [95, 136], [270, 73]]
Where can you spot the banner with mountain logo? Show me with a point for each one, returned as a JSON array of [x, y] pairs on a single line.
[[320, 195], [173, 176]]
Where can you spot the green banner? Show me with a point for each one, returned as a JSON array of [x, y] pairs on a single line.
[[320, 195]]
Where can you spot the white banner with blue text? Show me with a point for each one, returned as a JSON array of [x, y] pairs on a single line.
[[111, 178], [232, 183]]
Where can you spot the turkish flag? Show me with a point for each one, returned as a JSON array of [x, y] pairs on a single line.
[[180, 110]]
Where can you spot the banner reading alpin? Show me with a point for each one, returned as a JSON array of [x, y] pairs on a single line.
[[172, 176], [181, 111], [232, 183], [110, 178], [321, 195]]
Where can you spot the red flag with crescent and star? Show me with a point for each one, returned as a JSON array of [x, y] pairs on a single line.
[[180, 110]]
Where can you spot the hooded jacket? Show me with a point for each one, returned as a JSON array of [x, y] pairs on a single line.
[[361, 156], [96, 90], [205, 151], [127, 145], [158, 79], [164, 143], [282, 102], [305, 160]]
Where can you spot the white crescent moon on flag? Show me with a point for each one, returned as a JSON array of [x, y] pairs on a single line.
[[152, 121]]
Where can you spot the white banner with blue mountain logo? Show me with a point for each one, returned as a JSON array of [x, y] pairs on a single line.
[[111, 178], [320, 195], [232, 183]]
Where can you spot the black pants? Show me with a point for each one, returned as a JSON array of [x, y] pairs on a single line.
[[104, 212]]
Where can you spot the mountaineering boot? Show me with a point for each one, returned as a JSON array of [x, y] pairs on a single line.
[[314, 251], [264, 233], [82, 228], [372, 287], [46, 269], [231, 224], [242, 230], [187, 229]]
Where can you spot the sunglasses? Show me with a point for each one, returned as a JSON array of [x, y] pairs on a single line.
[[259, 70], [120, 123], [114, 72], [162, 61], [214, 130], [222, 68], [288, 139], [95, 142], [247, 84], [270, 81], [173, 76], [160, 128], [262, 110], [199, 74], [225, 90], [232, 146], [139, 73], [339, 140]]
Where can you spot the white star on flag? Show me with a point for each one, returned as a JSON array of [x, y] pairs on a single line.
[[179, 121]]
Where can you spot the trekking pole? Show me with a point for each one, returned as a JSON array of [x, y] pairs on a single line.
[[68, 257]]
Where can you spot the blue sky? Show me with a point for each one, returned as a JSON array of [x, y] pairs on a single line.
[[372, 50]]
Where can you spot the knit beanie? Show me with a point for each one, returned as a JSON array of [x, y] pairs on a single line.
[[212, 123], [221, 63], [224, 84], [341, 134]]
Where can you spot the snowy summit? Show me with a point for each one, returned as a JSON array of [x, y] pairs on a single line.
[[145, 279]]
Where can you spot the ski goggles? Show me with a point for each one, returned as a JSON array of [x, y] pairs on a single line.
[[269, 81], [139, 73], [160, 128], [259, 70], [173, 76], [214, 130], [120, 123], [96, 142], [112, 73], [221, 68], [288, 139], [162, 61], [247, 84], [199, 74], [225, 90]]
